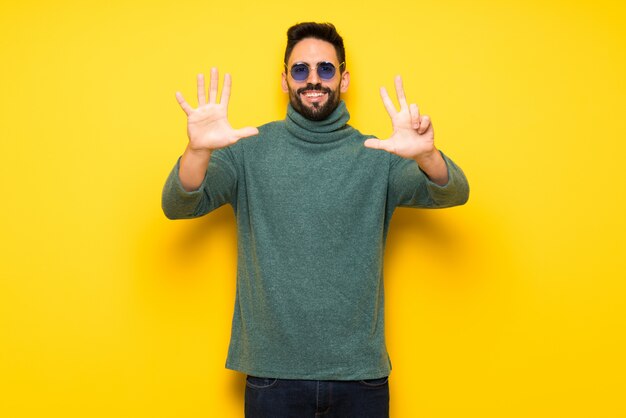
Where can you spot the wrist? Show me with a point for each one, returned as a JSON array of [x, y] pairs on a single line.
[[428, 158], [200, 153], [434, 166], [193, 166]]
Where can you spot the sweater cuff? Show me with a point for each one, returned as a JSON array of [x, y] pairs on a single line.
[[455, 191], [177, 202], [178, 186]]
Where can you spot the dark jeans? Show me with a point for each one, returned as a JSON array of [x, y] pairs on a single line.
[[281, 398]]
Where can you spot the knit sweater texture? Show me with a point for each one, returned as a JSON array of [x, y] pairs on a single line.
[[313, 207]]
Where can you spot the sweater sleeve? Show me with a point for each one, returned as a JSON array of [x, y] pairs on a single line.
[[409, 186], [218, 188]]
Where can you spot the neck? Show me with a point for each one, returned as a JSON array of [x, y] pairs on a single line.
[[331, 129]]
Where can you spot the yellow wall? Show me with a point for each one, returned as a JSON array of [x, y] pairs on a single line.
[[511, 306]]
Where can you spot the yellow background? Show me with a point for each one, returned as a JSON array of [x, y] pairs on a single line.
[[510, 306]]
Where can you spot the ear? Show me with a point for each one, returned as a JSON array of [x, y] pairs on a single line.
[[345, 81], [284, 83]]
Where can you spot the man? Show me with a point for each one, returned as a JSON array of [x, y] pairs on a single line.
[[313, 199]]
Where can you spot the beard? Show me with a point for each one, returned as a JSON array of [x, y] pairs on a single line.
[[318, 111]]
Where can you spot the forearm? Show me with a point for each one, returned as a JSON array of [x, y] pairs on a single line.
[[434, 166], [193, 166]]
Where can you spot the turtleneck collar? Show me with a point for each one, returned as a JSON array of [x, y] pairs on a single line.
[[331, 129]]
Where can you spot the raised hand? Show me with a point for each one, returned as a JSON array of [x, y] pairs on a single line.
[[208, 128], [413, 136]]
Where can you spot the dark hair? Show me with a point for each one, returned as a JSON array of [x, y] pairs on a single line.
[[323, 31]]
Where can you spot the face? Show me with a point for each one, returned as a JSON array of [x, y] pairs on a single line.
[[314, 98]]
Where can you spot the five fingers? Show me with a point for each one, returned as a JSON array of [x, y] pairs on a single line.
[[213, 87]]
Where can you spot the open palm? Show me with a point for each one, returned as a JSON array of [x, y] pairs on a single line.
[[413, 135], [207, 125]]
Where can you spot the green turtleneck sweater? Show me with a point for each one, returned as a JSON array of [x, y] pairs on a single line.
[[313, 207]]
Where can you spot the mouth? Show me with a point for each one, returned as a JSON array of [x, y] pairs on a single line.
[[313, 96]]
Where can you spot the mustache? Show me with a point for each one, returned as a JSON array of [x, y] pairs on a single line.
[[310, 87]]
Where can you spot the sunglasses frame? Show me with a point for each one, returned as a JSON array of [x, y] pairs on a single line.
[[317, 66]]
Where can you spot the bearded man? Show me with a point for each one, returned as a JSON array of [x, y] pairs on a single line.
[[313, 199]]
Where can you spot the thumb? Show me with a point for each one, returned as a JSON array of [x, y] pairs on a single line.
[[375, 143], [246, 132]]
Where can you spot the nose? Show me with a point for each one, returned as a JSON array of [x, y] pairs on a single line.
[[313, 77]]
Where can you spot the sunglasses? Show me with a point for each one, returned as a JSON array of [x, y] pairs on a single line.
[[325, 70]]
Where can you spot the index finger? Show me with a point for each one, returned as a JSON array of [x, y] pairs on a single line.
[[389, 106]]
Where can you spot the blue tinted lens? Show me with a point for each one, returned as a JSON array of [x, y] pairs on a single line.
[[325, 70], [300, 72]]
